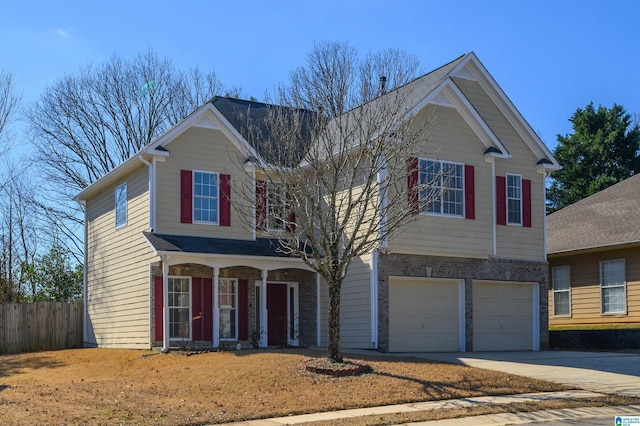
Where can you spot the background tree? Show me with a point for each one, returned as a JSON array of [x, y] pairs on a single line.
[[87, 123], [9, 102], [52, 276], [333, 166], [601, 151]]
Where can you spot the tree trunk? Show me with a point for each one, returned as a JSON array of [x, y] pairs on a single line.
[[333, 330]]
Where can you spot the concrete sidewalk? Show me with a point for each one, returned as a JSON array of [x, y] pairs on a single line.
[[421, 406]]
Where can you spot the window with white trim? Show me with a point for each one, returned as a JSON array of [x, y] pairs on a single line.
[[180, 308], [514, 199], [205, 197], [441, 187], [276, 206], [613, 287], [228, 303], [561, 283], [121, 205]]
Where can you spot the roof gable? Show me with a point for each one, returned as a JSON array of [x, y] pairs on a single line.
[[608, 218]]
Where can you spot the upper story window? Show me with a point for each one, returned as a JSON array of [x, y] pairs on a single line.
[[561, 282], [514, 199], [205, 197], [121, 205], [613, 287], [441, 187], [276, 206]]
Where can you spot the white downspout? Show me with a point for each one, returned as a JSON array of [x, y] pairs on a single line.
[[165, 304], [495, 208], [374, 298]]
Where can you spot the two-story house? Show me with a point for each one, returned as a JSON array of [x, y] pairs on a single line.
[[169, 262]]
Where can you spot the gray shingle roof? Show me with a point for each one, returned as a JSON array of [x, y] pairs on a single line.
[[202, 245], [609, 218]]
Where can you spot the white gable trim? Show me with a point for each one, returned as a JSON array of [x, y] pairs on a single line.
[[471, 66], [447, 94]]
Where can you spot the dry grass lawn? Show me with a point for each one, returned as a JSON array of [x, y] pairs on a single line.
[[101, 386]]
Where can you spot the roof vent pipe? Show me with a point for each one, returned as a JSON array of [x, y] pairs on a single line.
[[383, 85]]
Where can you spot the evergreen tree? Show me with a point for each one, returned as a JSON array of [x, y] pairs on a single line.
[[601, 151]]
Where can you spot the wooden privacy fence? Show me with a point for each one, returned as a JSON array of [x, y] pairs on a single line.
[[38, 326]]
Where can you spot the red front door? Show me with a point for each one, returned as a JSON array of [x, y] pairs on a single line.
[[277, 314]]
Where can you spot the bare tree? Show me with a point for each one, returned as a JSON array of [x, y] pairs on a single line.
[[9, 101], [87, 123], [332, 173]]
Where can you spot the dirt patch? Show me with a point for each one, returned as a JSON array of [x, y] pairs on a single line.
[[102, 386]]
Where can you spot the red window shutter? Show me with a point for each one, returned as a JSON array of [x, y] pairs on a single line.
[[469, 192], [501, 200], [261, 204], [243, 309], [526, 203], [225, 200], [157, 306], [196, 309], [291, 219], [186, 193], [207, 309], [412, 184]]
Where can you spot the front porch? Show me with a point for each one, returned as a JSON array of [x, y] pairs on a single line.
[[220, 300]]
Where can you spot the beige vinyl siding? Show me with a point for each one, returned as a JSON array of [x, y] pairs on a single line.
[[585, 288], [355, 306], [451, 139], [205, 150], [522, 162], [118, 267]]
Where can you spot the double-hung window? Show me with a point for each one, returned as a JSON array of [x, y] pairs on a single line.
[[514, 199], [228, 305], [179, 308], [276, 206], [441, 187], [121, 205], [561, 282], [205, 197], [613, 287]]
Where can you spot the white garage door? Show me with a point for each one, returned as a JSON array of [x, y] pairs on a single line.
[[503, 316], [424, 315]]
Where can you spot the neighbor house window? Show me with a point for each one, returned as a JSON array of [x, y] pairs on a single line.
[[514, 200], [179, 308], [276, 206], [205, 197], [613, 287], [441, 187], [121, 205], [228, 303], [561, 282]]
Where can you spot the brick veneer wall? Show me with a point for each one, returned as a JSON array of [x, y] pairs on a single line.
[[460, 268], [307, 294]]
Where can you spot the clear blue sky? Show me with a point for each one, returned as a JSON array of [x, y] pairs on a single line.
[[549, 56]]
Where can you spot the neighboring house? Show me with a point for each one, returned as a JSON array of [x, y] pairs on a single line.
[[593, 248], [469, 273]]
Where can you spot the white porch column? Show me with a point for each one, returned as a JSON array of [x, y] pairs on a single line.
[[216, 310], [165, 304], [264, 335]]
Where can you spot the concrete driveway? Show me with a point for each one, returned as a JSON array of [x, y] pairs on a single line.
[[604, 372]]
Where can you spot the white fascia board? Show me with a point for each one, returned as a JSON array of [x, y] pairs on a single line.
[[473, 66]]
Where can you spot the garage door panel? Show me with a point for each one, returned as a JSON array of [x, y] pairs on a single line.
[[502, 316], [423, 316]]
